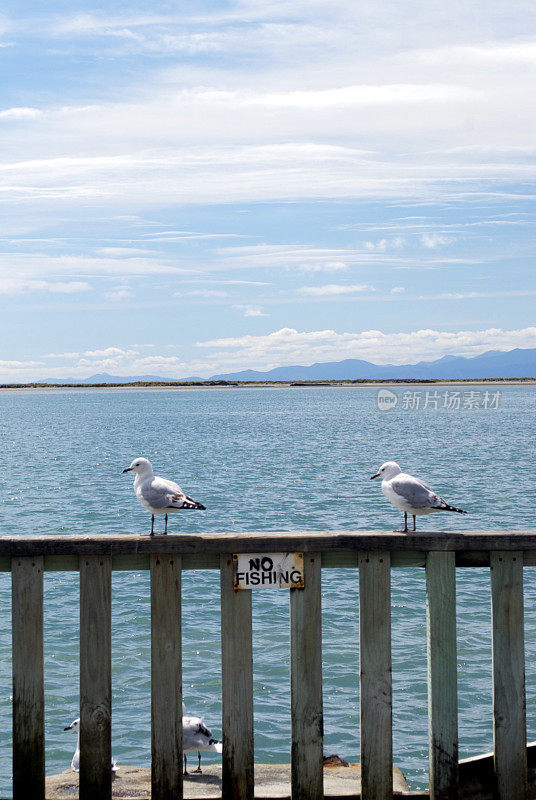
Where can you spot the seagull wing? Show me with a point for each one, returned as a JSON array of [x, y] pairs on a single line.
[[158, 492], [164, 494], [416, 492], [195, 733]]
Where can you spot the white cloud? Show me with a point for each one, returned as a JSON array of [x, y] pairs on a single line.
[[293, 257], [23, 113], [62, 355], [119, 294], [69, 287], [21, 285], [289, 346], [334, 289], [118, 252], [395, 243], [111, 351], [32, 268], [516, 52], [433, 240], [338, 97], [326, 266], [208, 293], [282, 347], [19, 364], [397, 290], [251, 311]]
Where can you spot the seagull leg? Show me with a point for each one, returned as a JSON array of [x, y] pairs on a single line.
[[165, 529], [185, 772], [414, 521], [199, 762], [152, 524], [405, 524]]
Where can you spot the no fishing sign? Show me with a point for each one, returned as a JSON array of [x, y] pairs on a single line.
[[268, 571]]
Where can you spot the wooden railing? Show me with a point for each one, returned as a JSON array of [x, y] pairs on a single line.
[[374, 554]]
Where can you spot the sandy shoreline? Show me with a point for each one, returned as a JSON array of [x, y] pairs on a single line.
[[335, 384]]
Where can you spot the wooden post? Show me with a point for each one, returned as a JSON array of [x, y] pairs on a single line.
[[509, 709], [442, 675], [166, 680], [306, 683], [237, 687], [376, 676], [95, 678], [28, 681]]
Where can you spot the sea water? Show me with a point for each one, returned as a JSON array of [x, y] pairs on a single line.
[[269, 459]]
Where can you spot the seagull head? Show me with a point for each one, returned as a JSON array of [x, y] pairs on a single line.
[[73, 726], [141, 466], [387, 471]]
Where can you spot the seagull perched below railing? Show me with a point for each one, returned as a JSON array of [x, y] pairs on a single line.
[[75, 763], [197, 737]]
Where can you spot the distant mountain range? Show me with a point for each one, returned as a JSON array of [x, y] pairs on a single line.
[[493, 364]]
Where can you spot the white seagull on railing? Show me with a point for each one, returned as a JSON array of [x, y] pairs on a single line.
[[75, 763], [410, 494], [158, 495], [197, 737]]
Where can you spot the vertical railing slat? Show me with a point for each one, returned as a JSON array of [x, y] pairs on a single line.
[[442, 675], [237, 687], [166, 678], [376, 677], [509, 707], [95, 677], [306, 683], [28, 680]]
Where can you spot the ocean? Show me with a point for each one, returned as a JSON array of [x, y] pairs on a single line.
[[269, 459]]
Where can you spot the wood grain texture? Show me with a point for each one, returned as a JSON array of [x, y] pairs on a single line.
[[376, 677], [237, 688], [28, 681], [186, 544], [442, 676], [95, 678], [306, 684], [346, 559], [509, 707], [166, 678], [128, 562]]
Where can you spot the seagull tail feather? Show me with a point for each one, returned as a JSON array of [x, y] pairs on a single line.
[[185, 502], [218, 746], [446, 507]]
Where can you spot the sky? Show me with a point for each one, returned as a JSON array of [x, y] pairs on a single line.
[[200, 187]]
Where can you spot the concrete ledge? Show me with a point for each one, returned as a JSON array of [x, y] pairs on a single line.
[[271, 781]]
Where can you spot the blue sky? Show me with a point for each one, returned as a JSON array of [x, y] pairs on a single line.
[[201, 187]]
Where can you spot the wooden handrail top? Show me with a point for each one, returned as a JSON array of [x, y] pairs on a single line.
[[212, 543]]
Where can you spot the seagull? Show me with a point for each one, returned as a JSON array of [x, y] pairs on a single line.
[[75, 763], [410, 494], [196, 736], [158, 495]]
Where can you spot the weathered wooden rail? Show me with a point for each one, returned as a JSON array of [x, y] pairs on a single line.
[[374, 554]]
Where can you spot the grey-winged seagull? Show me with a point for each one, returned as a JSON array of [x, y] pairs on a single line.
[[197, 737], [75, 763], [158, 495], [410, 494]]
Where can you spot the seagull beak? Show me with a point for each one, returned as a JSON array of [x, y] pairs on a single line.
[[128, 469], [374, 476], [68, 728]]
